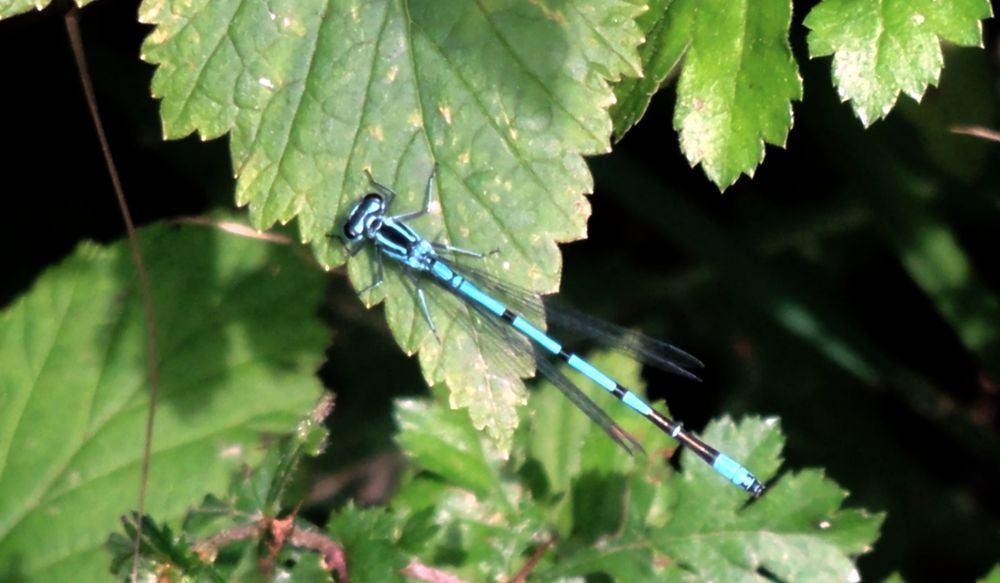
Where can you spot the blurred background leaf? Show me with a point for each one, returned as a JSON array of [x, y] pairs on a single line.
[[993, 576]]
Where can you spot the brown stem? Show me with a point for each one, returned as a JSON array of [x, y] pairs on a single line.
[[523, 572], [72, 20], [420, 572]]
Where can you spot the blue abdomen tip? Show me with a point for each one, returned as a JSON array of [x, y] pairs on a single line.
[[737, 474]]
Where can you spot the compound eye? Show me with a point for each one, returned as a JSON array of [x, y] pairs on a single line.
[[349, 233]]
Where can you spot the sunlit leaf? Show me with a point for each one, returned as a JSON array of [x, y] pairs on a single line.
[[10, 8], [884, 47], [738, 82], [505, 97]]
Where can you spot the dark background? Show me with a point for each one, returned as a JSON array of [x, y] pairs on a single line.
[[796, 288]]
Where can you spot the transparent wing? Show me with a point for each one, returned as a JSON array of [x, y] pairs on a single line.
[[585, 404], [498, 338], [645, 349]]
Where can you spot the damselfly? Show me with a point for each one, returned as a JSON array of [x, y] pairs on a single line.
[[370, 222]]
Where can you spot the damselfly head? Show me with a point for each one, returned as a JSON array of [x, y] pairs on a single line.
[[365, 218]]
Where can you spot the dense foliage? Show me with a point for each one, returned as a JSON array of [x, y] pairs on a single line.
[[845, 299]]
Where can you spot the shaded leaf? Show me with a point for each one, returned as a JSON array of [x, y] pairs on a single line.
[[244, 536], [445, 443], [666, 41], [238, 344], [370, 544]]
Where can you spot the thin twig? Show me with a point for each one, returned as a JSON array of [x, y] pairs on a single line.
[[73, 30], [277, 532], [238, 229], [977, 131], [421, 572], [334, 558], [208, 548], [525, 570]]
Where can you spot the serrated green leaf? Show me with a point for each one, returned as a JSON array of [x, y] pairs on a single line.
[[236, 534], [477, 538], [307, 570], [585, 469], [10, 8], [164, 556], [444, 442], [635, 519], [737, 85], [884, 47], [693, 525], [505, 96], [666, 41], [622, 562], [472, 518], [261, 493], [238, 344], [797, 530], [559, 428], [369, 542]]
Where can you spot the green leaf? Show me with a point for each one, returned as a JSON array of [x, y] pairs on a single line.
[[310, 570], [370, 544], [666, 41], [623, 562], [506, 97], [10, 8], [480, 538], [238, 536], [262, 492], [796, 531], [993, 576], [694, 518], [884, 47], [444, 442], [466, 512], [584, 468], [631, 518], [238, 342], [163, 556], [738, 81], [654, 524]]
